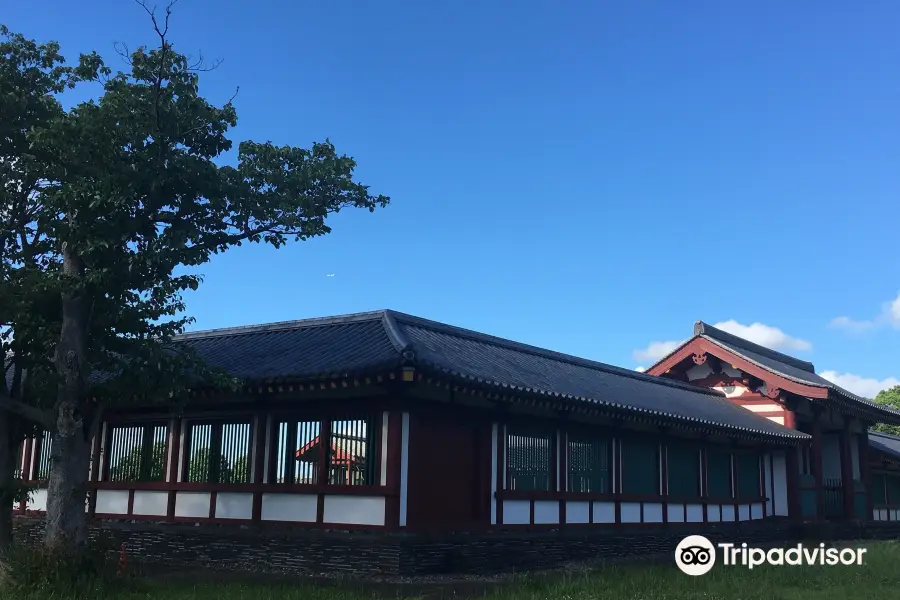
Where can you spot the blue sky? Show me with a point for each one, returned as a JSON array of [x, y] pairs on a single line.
[[590, 177]]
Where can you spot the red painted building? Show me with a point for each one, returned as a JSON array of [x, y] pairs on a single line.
[[841, 474], [430, 427]]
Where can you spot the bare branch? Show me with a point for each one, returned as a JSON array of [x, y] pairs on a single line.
[[30, 413], [122, 50]]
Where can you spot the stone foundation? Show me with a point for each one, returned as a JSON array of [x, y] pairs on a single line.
[[308, 552]]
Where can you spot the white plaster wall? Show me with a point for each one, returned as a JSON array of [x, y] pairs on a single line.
[[578, 512], [354, 510], [713, 513], [234, 506], [831, 456], [675, 513], [768, 407], [693, 513], [289, 507], [546, 512], [728, 512], [150, 503], [192, 504], [744, 512], [756, 511], [113, 502], [653, 512], [631, 512], [604, 512], [516, 512]]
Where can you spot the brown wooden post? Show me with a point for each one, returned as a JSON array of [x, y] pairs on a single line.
[[96, 447], [259, 463], [323, 466], [174, 455], [847, 483], [865, 469], [815, 460]]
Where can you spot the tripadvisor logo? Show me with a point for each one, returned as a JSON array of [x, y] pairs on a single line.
[[695, 555]]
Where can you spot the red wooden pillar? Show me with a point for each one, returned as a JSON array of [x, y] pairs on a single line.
[[815, 460], [174, 455], [847, 483], [865, 469], [259, 463], [96, 448]]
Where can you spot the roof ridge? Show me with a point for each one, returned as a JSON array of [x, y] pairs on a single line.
[[282, 325], [701, 328], [546, 353]]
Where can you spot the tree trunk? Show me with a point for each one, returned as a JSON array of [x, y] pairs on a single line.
[[7, 480], [70, 454]]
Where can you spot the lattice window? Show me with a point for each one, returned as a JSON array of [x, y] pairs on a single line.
[[352, 456], [718, 474], [528, 459], [640, 466], [43, 446], [748, 476], [218, 453], [298, 451], [136, 452], [589, 465], [683, 469]]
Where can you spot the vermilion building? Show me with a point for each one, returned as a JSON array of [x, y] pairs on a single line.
[[419, 432], [845, 472]]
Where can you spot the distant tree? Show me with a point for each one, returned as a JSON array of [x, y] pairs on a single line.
[[889, 397], [199, 469], [241, 471], [132, 467]]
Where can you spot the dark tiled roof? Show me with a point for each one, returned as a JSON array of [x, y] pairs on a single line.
[[883, 442], [791, 369], [342, 346]]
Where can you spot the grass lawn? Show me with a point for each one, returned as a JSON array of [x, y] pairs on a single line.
[[878, 578]]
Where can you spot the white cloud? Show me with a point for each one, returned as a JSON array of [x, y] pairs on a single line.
[[655, 351], [889, 315], [758, 333], [862, 386], [640, 369], [764, 335]]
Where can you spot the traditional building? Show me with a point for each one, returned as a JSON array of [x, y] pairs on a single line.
[[840, 475], [392, 423]]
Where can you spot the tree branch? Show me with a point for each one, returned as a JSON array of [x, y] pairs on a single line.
[[30, 413]]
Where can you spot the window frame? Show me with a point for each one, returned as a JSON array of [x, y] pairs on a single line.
[[146, 446], [215, 449]]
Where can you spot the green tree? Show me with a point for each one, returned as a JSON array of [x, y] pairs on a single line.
[[30, 76], [138, 466], [889, 397], [199, 468], [132, 199], [241, 472]]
